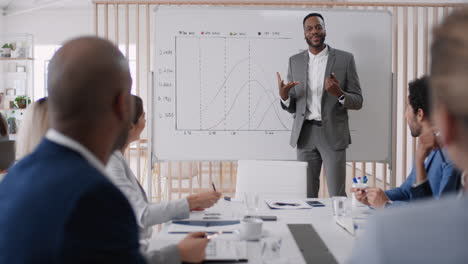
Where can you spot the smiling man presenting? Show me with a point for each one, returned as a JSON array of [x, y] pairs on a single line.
[[322, 86]]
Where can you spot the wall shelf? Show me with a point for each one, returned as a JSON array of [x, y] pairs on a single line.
[[15, 59], [16, 74]]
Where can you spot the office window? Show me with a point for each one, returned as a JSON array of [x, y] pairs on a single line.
[[43, 54]]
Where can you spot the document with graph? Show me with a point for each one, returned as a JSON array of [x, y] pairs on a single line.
[[225, 250]]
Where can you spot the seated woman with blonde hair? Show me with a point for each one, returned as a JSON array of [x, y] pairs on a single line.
[[32, 128], [147, 213]]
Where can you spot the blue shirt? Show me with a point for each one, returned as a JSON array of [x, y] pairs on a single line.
[[442, 178]]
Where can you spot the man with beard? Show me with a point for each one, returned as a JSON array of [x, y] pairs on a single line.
[[56, 204], [322, 86], [433, 174]]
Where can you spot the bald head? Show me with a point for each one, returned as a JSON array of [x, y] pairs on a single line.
[[84, 78], [449, 68]]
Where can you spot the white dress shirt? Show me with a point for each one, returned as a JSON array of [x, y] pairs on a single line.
[[147, 214], [315, 81]]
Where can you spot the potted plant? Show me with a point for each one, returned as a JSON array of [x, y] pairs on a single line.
[[6, 50], [22, 101]]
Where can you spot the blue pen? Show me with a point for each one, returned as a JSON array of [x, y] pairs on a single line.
[[354, 180]]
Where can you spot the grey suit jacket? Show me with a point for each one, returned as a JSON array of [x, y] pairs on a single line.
[[334, 114], [425, 232]]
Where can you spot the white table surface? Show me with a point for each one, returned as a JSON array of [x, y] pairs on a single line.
[[339, 242]]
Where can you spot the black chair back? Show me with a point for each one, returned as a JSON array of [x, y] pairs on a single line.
[[7, 154]]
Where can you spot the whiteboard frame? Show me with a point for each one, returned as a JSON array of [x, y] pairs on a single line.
[[393, 113]]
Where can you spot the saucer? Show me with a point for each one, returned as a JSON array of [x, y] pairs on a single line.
[[265, 233]]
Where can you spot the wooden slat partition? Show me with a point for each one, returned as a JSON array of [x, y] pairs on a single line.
[[395, 78], [106, 21], [415, 62], [127, 32], [404, 128], [116, 23], [425, 39]]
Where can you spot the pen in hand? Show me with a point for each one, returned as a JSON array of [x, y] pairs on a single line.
[[214, 188]]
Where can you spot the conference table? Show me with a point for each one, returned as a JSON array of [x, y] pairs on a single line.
[[337, 239]]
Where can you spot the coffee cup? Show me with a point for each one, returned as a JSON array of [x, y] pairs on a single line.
[[251, 229]]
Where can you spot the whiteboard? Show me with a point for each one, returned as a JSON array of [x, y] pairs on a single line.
[[215, 94]]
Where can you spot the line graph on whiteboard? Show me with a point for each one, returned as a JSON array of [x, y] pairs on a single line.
[[229, 83]]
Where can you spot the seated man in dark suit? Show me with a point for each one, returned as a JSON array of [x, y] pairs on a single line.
[[57, 205], [433, 174]]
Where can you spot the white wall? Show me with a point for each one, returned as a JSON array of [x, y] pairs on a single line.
[[2, 19], [51, 26]]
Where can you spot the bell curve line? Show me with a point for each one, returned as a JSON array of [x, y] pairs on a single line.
[[268, 92], [258, 103], [224, 83], [263, 117], [227, 78], [235, 66], [254, 112], [266, 112], [272, 102]]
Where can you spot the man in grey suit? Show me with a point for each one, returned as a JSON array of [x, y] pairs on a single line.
[[322, 86], [435, 231]]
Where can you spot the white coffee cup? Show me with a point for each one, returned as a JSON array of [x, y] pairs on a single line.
[[251, 229]]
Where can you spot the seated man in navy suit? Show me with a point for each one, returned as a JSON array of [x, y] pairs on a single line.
[[433, 174], [56, 204]]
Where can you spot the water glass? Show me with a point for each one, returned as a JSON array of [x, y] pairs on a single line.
[[339, 206], [251, 202], [271, 251]]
